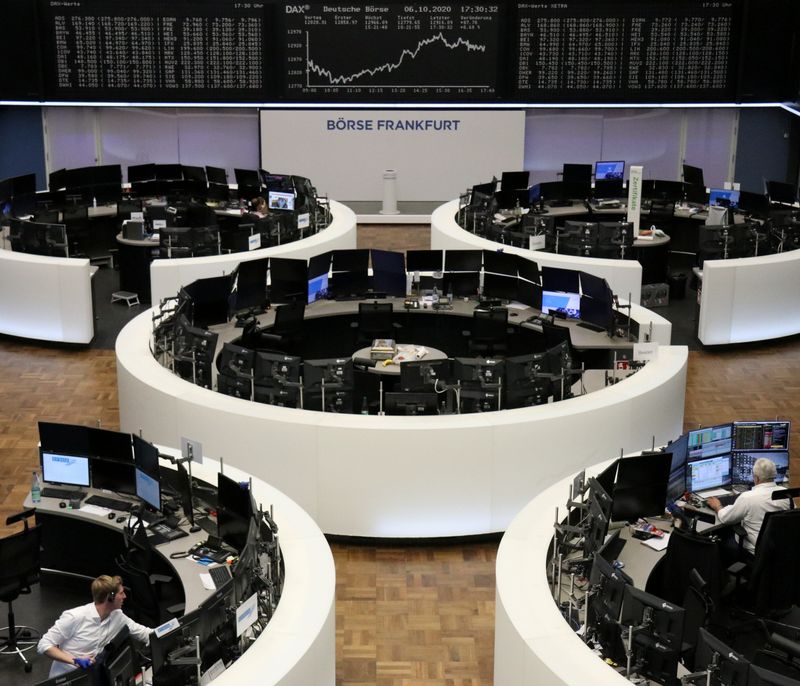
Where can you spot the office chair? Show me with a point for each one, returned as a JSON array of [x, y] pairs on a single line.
[[687, 552], [287, 330], [375, 320], [661, 214], [19, 570], [488, 335], [768, 586], [148, 601]]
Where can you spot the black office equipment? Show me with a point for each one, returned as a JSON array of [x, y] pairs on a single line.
[[462, 260], [148, 481], [640, 486], [288, 280], [64, 469], [64, 438], [209, 300], [693, 175], [514, 180], [234, 511], [710, 441], [388, 272], [410, 403], [249, 288], [780, 192], [424, 260], [425, 375], [725, 665], [329, 384], [111, 445], [558, 279], [761, 435]]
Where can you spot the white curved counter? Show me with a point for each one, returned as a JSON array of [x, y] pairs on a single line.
[[298, 646], [46, 298], [532, 641], [750, 299], [398, 477], [623, 276], [167, 276]]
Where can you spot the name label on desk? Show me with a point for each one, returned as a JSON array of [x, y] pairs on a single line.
[[303, 220], [536, 242], [167, 627], [137, 216], [254, 241], [645, 352], [246, 614]]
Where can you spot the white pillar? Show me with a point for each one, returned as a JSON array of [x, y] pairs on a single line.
[[390, 192]]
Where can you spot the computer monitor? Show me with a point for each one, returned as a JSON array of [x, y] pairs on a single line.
[[66, 469], [729, 667], [410, 403], [529, 270], [499, 262], [333, 371], [760, 676], [521, 369], [463, 260], [77, 677], [604, 608], [742, 465], [388, 272], [318, 288], [769, 435], [665, 620], [250, 285], [710, 441], [164, 670], [709, 473], [641, 486], [780, 192], [113, 475], [597, 313], [236, 360], [609, 188], [234, 511], [595, 287], [288, 280], [568, 304], [420, 375], [280, 201], [721, 197], [514, 180], [676, 485], [210, 298], [71, 439], [478, 370], [529, 294], [147, 475], [461, 284], [276, 368], [355, 260], [693, 175], [424, 260], [605, 171], [754, 204], [558, 279], [576, 173], [500, 286]]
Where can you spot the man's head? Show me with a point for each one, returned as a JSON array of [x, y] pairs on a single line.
[[764, 471], [108, 590]]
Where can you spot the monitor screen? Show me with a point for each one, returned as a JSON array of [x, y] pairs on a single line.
[[595, 287], [604, 171], [148, 489], [72, 470], [463, 260], [568, 304], [234, 510], [729, 666], [288, 279], [781, 192], [598, 313], [514, 180], [712, 472], [640, 487], [277, 200], [499, 262], [145, 456], [350, 260], [710, 441], [761, 435], [111, 475], [71, 439], [410, 403], [693, 175], [576, 173], [318, 288], [721, 197], [557, 279], [499, 286], [424, 260], [214, 175], [742, 465]]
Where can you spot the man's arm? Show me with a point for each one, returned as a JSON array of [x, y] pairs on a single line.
[[55, 653], [50, 643], [138, 631]]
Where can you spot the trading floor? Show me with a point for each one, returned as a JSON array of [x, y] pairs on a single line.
[[419, 615]]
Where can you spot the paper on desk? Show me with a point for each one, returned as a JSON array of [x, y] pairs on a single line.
[[657, 543], [208, 582]]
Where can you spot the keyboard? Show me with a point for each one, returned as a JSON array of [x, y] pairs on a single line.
[[207, 524], [727, 499], [62, 493], [109, 503], [219, 575]]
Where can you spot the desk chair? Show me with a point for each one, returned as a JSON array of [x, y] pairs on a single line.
[[661, 214], [768, 586], [287, 331], [375, 320], [488, 335], [19, 570]]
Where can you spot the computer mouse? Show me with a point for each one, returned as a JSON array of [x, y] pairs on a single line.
[[120, 519], [513, 314], [112, 515], [62, 504]]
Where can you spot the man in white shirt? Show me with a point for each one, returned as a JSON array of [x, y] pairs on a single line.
[[751, 506], [81, 633]]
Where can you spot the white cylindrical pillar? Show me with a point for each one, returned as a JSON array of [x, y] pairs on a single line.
[[390, 192]]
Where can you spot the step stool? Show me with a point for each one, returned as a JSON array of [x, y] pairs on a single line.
[[127, 297]]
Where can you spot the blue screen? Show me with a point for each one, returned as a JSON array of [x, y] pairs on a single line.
[[148, 489], [609, 170], [724, 198], [317, 288], [65, 469], [567, 303]]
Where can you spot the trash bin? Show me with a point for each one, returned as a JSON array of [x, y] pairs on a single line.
[[677, 286]]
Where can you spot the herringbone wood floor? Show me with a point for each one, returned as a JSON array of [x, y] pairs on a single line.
[[405, 616]]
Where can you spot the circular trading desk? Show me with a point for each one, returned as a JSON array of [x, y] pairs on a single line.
[[409, 476], [297, 647], [623, 276], [168, 276]]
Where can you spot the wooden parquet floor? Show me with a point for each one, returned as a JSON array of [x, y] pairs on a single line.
[[405, 616]]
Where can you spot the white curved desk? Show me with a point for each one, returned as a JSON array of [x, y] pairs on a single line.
[[398, 477], [46, 298], [167, 276], [623, 276], [532, 641], [750, 299]]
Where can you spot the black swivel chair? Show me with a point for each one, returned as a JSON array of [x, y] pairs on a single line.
[[375, 320], [19, 570], [287, 331], [489, 333]]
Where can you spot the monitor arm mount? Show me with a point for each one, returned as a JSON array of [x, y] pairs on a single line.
[[187, 655], [187, 461]]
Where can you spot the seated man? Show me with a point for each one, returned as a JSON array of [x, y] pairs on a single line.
[[81, 633], [751, 506]]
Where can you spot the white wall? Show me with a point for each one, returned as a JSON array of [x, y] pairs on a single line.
[[431, 164]]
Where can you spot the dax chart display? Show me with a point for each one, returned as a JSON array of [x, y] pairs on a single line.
[[345, 52]]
